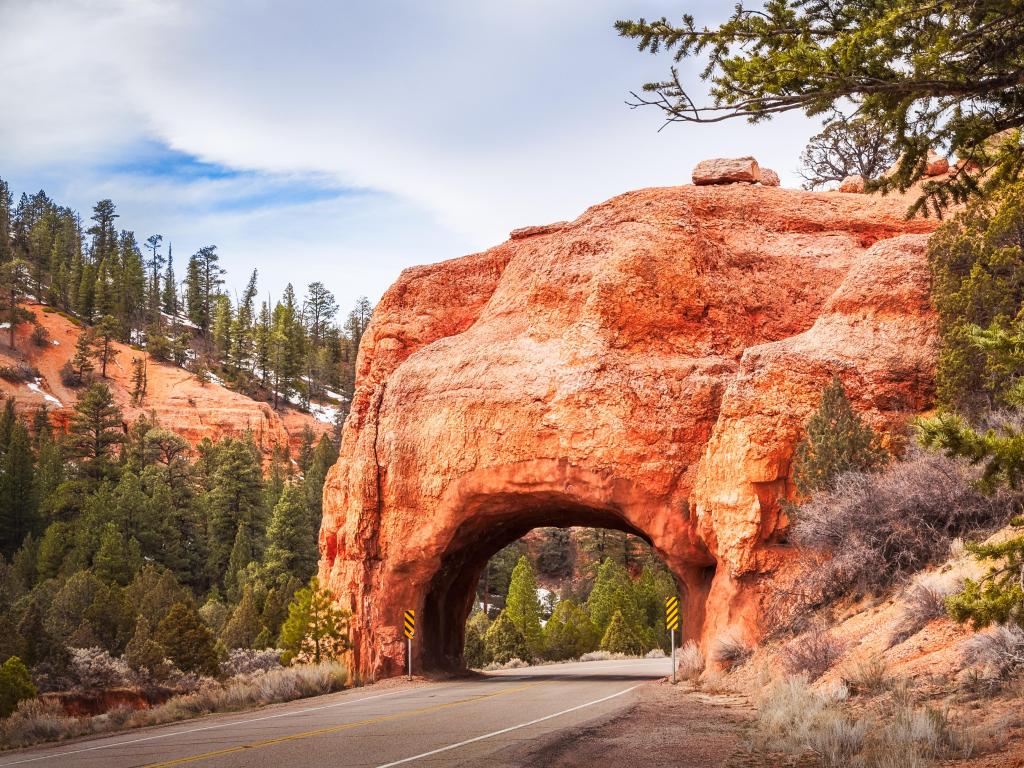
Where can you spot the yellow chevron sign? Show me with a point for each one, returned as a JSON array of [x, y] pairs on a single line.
[[410, 624], [672, 613]]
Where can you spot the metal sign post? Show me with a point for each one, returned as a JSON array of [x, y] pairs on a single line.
[[410, 632], [672, 624]]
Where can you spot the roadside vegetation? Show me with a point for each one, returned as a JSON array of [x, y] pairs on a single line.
[[131, 563]]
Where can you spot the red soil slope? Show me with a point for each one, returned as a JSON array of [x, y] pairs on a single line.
[[174, 396]]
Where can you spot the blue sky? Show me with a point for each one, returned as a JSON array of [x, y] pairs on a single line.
[[342, 141]]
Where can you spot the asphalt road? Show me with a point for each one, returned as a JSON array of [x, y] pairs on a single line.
[[489, 721]]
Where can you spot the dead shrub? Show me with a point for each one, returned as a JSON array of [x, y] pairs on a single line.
[[813, 654], [923, 603], [690, 661], [878, 529], [731, 652], [998, 650]]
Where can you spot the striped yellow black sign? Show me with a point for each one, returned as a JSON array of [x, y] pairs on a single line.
[[672, 613], [410, 624]]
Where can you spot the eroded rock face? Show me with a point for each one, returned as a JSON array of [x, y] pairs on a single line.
[[646, 367]]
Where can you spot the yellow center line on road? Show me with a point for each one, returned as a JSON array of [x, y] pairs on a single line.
[[337, 728]]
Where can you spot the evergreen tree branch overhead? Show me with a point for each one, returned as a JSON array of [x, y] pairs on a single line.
[[927, 73]]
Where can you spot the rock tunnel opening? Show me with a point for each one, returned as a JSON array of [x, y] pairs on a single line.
[[453, 590]]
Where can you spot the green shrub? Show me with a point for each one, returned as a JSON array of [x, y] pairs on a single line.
[[15, 685], [836, 441], [569, 632], [619, 638], [504, 642], [475, 649]]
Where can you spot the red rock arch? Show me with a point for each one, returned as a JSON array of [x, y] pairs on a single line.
[[648, 367]]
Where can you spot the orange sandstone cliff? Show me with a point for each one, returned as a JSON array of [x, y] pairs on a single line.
[[647, 367]]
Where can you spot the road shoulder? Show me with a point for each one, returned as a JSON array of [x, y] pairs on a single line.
[[664, 726]]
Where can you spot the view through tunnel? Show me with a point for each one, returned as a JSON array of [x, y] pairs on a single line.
[[562, 593], [520, 588]]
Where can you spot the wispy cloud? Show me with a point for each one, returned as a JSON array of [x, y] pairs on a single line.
[[395, 132]]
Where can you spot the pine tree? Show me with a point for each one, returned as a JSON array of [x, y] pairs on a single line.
[[235, 499], [14, 278], [223, 323], [320, 310], [18, 507], [188, 641], [169, 299], [522, 606], [112, 619], [195, 300], [504, 642], [609, 591], [205, 277], [155, 264], [261, 344], [836, 441], [139, 379], [244, 626], [143, 653], [243, 552], [316, 628], [95, 430], [129, 289], [106, 331], [619, 637], [6, 201], [117, 559], [78, 370], [291, 537], [104, 236], [241, 356], [325, 456]]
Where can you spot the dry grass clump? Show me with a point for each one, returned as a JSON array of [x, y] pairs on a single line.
[[731, 652], [689, 661], [925, 601], [880, 528], [793, 719], [513, 663], [868, 677], [998, 651], [604, 656], [36, 720], [813, 654]]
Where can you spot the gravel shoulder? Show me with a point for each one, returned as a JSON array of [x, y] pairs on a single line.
[[664, 726]]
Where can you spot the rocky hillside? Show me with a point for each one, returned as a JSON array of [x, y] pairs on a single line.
[[176, 397]]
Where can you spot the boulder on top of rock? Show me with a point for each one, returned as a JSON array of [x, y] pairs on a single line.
[[768, 178], [724, 170], [937, 165], [540, 229], [853, 184]]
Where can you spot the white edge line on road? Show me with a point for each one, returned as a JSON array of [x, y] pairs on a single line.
[[506, 730], [201, 728]]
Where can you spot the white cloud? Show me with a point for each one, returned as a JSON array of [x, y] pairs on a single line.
[[487, 116]]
